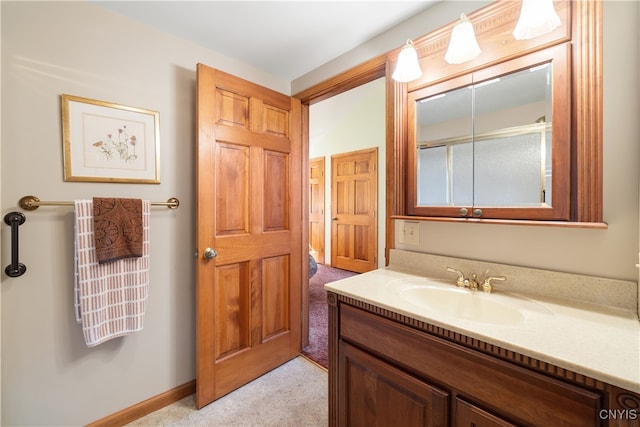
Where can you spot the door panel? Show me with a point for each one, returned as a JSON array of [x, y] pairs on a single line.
[[275, 278], [232, 174], [354, 194], [231, 303], [249, 210], [276, 177]]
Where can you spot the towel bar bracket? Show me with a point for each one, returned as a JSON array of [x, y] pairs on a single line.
[[173, 203], [29, 203], [16, 268]]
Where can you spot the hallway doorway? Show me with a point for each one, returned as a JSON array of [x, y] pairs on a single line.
[[351, 121]]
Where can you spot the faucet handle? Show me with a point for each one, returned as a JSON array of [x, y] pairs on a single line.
[[487, 286], [461, 281], [473, 282]]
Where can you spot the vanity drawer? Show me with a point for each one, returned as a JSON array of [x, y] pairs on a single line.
[[511, 391]]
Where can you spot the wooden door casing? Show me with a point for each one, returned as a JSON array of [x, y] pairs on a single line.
[[248, 206], [354, 204], [316, 208]]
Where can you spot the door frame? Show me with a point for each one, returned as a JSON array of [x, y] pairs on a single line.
[[357, 76], [343, 82]]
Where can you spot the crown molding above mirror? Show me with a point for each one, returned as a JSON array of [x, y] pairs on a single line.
[[493, 27]]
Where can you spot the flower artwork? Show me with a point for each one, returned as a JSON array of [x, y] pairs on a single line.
[[106, 142], [124, 146]]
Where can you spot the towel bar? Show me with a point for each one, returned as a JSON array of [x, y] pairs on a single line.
[[31, 203]]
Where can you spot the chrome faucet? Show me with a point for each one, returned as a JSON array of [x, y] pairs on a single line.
[[472, 283]]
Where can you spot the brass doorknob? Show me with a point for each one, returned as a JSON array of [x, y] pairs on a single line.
[[210, 253]]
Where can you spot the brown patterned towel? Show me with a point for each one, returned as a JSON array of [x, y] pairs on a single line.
[[117, 225]]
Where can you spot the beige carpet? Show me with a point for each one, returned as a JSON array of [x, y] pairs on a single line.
[[295, 394]]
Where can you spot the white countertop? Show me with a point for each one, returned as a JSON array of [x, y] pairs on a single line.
[[596, 341]]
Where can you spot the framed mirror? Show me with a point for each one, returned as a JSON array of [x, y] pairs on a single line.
[[494, 143]]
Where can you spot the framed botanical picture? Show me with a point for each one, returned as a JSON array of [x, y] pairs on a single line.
[[106, 142]]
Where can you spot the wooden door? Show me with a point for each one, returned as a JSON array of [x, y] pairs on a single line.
[[354, 202], [248, 207], [316, 208]]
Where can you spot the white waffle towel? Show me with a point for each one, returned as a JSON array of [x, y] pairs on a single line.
[[109, 298]]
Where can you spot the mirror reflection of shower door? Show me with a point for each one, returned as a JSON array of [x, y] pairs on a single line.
[[354, 200]]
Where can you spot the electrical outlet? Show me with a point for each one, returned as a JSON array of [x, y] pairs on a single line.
[[409, 233]]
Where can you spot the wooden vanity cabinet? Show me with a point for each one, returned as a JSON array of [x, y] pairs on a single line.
[[390, 370]]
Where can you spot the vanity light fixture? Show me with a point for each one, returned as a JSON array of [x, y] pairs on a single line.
[[408, 67], [463, 45], [537, 17]]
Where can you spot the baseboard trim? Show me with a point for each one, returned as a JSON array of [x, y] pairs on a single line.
[[314, 362], [146, 407]]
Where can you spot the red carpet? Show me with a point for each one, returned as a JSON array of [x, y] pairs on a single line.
[[317, 350]]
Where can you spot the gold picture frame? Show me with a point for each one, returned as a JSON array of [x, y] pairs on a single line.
[[107, 142]]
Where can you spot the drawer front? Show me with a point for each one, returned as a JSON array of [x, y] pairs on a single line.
[[515, 392]]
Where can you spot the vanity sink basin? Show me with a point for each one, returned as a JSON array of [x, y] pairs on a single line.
[[462, 303]]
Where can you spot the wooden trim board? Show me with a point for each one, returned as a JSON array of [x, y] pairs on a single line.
[[146, 407]]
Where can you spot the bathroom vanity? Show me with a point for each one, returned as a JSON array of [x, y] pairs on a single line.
[[408, 347]]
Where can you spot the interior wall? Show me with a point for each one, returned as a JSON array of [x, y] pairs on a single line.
[[49, 376], [351, 121]]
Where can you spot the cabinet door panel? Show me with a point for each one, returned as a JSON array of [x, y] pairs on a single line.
[[373, 392]]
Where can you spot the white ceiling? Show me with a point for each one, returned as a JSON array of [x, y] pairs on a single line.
[[285, 38]]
